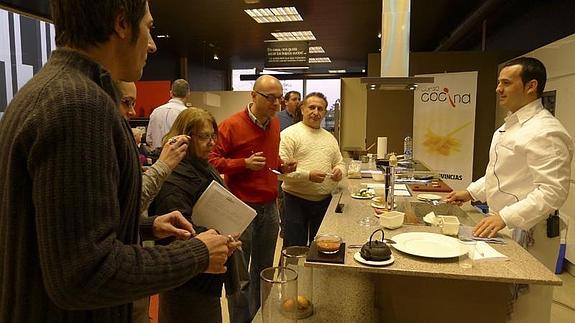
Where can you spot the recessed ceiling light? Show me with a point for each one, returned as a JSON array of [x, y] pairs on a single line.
[[318, 60], [294, 35], [316, 50], [268, 15]]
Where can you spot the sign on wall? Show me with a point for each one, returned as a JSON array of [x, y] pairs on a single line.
[[444, 126], [287, 54]]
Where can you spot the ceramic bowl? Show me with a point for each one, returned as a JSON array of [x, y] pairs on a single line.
[[392, 219], [328, 243]]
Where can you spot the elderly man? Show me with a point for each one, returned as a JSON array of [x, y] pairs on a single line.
[[70, 181], [163, 117], [247, 153], [307, 191]]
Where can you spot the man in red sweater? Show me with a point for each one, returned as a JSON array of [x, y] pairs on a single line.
[[246, 153]]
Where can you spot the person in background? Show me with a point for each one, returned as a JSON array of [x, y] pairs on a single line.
[[70, 181], [286, 116], [308, 190], [162, 118], [198, 300], [297, 116], [246, 153], [527, 177], [154, 176]]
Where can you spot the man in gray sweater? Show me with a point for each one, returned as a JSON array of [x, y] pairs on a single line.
[[70, 181]]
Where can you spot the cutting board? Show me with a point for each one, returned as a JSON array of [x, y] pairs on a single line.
[[315, 256], [428, 187]]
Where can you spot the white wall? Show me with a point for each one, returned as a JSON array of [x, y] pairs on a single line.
[[559, 61], [221, 104]]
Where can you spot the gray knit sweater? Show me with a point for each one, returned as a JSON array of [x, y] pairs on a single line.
[[70, 187]]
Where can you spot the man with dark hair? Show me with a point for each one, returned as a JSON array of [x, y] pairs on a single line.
[[529, 168], [70, 181], [163, 117], [307, 191], [286, 116]]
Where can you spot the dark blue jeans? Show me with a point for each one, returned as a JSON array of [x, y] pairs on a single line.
[[302, 219], [258, 245]]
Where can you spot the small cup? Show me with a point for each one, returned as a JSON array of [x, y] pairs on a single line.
[[328, 243], [449, 224], [466, 260], [391, 219]]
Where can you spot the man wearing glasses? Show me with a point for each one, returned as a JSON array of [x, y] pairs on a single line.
[[247, 153]]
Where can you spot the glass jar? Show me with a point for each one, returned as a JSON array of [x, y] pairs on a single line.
[[294, 258], [278, 292]]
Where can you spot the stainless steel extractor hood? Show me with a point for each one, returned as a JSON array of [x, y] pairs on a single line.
[[394, 75]]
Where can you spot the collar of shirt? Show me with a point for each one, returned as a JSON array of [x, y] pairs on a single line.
[[263, 125], [524, 113], [177, 101]]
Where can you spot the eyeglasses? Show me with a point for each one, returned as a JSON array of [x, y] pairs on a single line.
[[130, 102], [270, 97], [206, 136]]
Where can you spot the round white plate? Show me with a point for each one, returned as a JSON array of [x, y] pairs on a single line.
[[357, 256], [360, 197], [428, 197], [430, 245]]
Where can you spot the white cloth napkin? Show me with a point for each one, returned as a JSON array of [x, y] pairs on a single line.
[[484, 252]]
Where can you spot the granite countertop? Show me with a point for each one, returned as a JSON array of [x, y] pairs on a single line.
[[521, 268]]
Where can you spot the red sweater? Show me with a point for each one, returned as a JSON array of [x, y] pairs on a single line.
[[238, 138]]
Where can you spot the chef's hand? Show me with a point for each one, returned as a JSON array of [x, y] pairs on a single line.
[[489, 226], [174, 150], [317, 176], [217, 245], [173, 224], [288, 166], [256, 161], [458, 197], [336, 174]]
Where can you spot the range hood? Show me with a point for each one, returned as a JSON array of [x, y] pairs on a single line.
[[395, 24]]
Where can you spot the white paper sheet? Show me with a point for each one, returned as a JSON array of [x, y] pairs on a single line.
[[219, 209]]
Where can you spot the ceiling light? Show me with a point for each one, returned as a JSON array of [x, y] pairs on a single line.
[[268, 15], [294, 35], [379, 34], [163, 36], [319, 60], [216, 57], [316, 50]]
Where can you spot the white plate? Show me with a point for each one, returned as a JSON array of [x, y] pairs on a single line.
[[357, 256], [430, 245], [359, 197], [428, 197]]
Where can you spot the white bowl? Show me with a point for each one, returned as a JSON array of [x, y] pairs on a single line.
[[391, 219], [449, 224]]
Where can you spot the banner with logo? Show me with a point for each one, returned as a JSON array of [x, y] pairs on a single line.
[[444, 126]]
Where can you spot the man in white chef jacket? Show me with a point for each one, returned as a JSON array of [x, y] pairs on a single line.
[[529, 168]]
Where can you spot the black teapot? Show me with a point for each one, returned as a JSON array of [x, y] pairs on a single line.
[[376, 250]]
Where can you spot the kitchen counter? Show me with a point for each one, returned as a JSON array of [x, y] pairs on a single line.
[[416, 289]]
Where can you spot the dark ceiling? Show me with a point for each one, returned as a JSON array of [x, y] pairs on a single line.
[[346, 29]]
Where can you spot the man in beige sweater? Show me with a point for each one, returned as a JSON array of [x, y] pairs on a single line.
[[320, 168]]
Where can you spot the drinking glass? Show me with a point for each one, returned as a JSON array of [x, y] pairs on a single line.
[[294, 258], [278, 292]]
